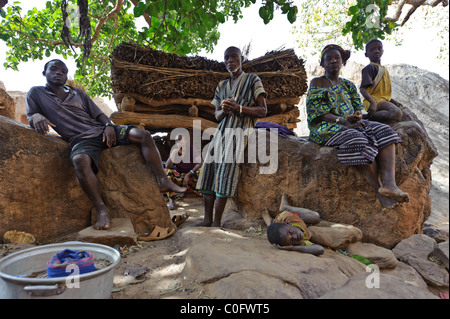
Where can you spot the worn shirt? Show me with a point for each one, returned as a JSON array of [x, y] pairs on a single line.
[[75, 117]]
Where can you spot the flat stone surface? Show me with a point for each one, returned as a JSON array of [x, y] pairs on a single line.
[[120, 233]]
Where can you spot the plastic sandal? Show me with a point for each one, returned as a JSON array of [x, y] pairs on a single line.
[[179, 219], [158, 233]]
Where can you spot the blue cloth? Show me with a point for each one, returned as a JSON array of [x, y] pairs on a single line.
[[56, 267], [282, 130]]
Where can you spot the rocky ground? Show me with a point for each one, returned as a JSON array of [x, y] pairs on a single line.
[[157, 270]]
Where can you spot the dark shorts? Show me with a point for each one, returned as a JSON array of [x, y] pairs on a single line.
[[94, 146]]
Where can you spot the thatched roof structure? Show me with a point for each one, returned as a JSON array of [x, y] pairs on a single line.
[[158, 75], [164, 83]]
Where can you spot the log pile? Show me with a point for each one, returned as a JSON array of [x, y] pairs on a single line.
[[159, 90]]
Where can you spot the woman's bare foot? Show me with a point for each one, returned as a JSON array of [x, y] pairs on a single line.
[[387, 202], [169, 186], [103, 220], [394, 193]]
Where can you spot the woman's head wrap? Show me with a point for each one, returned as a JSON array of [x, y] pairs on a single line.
[[345, 54]]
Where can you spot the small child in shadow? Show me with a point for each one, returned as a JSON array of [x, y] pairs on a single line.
[[288, 230]]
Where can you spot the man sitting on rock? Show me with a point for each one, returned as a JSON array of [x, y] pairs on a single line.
[[79, 121], [288, 230]]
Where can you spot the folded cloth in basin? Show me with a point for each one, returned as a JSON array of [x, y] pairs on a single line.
[[57, 266]]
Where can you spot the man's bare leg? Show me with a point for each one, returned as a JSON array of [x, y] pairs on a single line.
[[219, 207], [89, 183], [208, 205], [153, 159]]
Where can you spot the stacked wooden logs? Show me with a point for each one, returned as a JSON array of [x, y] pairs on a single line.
[[159, 90]]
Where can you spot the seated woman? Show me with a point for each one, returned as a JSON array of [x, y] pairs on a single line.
[[183, 171], [335, 119]]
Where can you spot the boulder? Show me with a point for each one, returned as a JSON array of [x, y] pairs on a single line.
[[40, 194], [380, 256], [390, 287], [314, 179], [415, 251], [7, 105]]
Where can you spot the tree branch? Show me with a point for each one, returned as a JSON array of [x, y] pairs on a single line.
[[114, 12]]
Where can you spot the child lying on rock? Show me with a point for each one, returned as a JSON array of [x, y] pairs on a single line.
[[288, 230]]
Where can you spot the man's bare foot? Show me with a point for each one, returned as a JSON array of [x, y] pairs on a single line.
[[204, 223], [387, 202], [394, 193], [103, 220], [169, 186], [284, 202]]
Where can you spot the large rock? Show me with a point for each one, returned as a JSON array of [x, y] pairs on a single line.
[[314, 179], [40, 195], [390, 287], [7, 105]]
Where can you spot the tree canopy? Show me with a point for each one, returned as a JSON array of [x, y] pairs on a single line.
[[89, 30]]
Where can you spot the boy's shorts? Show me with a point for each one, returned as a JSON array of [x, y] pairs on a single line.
[[94, 146]]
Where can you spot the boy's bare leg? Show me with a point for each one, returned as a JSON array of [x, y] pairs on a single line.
[[153, 159], [89, 183], [308, 216], [387, 112]]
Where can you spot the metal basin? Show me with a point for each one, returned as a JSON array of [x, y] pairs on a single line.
[[94, 285]]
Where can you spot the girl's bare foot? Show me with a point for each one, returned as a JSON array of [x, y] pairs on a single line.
[[103, 220], [394, 193]]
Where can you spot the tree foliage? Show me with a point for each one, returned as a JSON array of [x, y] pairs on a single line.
[[351, 23], [175, 26]]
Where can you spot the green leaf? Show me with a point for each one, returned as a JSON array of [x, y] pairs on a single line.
[[139, 9], [292, 14]]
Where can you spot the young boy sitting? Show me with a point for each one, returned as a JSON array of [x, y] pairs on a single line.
[[376, 87], [288, 230]]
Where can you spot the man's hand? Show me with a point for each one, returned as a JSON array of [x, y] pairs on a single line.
[[109, 135], [41, 123], [230, 105]]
